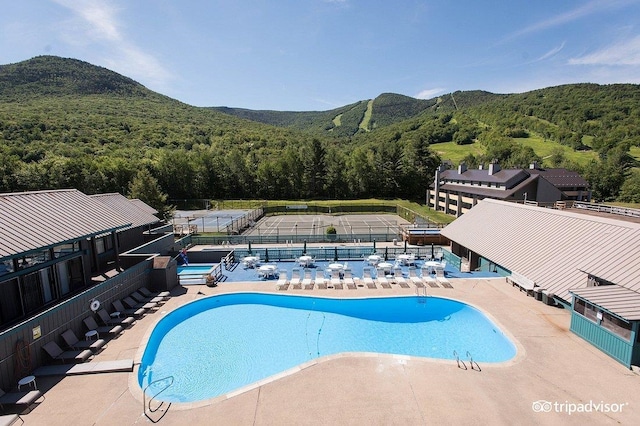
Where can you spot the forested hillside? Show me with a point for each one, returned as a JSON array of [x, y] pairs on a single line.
[[66, 123]]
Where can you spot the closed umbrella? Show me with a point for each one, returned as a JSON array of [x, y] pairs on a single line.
[[405, 246], [433, 253], [374, 246], [266, 255], [386, 253], [250, 247], [335, 254], [304, 248]]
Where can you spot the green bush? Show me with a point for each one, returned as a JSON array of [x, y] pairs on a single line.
[[331, 230]]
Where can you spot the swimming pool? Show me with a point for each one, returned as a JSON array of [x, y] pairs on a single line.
[[221, 343]]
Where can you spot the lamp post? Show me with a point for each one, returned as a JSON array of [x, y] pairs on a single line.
[[296, 226]]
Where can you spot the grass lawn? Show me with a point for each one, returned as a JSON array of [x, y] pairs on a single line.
[[546, 148], [455, 153]]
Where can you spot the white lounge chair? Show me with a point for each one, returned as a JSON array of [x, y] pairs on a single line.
[[307, 281], [295, 280], [282, 283], [414, 278], [381, 277], [336, 282], [442, 279], [320, 281], [348, 280], [367, 279]]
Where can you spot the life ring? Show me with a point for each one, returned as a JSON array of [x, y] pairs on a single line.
[[95, 305]]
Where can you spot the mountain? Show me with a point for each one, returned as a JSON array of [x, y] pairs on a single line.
[[55, 76], [67, 123]]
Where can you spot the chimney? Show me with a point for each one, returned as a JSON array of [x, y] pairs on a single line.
[[462, 168], [481, 166], [533, 166], [494, 168]]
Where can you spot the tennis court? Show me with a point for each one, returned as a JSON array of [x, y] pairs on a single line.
[[315, 226], [207, 220]]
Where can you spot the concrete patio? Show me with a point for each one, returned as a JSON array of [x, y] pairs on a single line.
[[554, 372]]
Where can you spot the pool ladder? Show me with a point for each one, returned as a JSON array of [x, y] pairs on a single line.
[[473, 364], [421, 294], [148, 409]]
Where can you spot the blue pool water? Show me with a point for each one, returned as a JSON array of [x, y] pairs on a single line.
[[221, 343]]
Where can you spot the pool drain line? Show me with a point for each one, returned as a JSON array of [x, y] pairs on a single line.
[[318, 335]]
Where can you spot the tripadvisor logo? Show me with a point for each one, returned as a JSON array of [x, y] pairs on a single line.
[[542, 406]]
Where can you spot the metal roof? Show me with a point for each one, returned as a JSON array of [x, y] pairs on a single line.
[[509, 177], [618, 300], [144, 206], [561, 177], [553, 248], [127, 209], [35, 220]]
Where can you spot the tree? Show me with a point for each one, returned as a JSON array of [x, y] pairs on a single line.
[[630, 190], [146, 188]]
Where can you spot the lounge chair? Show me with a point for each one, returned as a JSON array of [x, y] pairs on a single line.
[[282, 283], [440, 277], [295, 281], [148, 293], [107, 319], [320, 281], [73, 342], [381, 277], [136, 312], [128, 301], [112, 330], [414, 278], [56, 352], [367, 279], [428, 279], [336, 282], [141, 299], [19, 399], [348, 280], [307, 281], [9, 419]]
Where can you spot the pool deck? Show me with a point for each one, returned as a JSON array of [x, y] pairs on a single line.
[[552, 365]]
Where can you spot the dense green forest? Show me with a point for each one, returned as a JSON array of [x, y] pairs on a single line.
[[66, 123]]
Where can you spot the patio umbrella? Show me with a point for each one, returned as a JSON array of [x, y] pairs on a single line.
[[304, 248], [433, 253], [266, 255], [386, 253], [335, 254], [250, 247], [405, 246], [374, 246]]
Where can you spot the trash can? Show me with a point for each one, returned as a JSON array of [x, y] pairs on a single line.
[[395, 241]]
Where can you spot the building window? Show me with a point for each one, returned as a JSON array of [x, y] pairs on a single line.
[[6, 267], [616, 325], [65, 249], [612, 323]]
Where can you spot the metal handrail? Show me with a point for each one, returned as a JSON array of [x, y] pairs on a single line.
[[459, 361], [472, 362], [144, 398]]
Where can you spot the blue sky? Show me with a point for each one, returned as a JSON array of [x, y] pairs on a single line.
[[302, 55]]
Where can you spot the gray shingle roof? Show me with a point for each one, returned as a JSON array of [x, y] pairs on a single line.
[[551, 247], [35, 220]]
